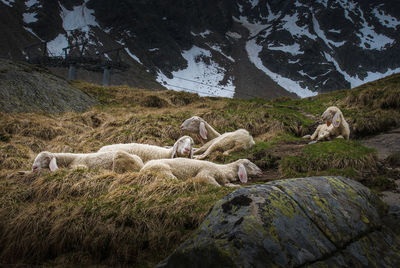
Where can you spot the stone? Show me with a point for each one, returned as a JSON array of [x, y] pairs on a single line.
[[316, 221]]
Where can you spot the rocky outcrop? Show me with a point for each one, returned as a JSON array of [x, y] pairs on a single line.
[[26, 88], [309, 221]]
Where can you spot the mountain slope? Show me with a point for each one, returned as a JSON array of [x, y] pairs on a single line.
[[239, 48]]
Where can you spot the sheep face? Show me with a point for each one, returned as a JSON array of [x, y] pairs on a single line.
[[247, 169], [183, 147], [195, 124], [191, 124], [44, 160], [331, 114]]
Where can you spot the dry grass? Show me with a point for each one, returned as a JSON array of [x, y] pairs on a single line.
[[79, 217]]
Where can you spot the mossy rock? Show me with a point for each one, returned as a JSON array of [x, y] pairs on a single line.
[[316, 221]]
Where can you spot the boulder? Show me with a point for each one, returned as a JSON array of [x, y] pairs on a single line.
[[29, 88], [315, 221]]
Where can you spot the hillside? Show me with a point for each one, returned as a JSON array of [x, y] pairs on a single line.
[[241, 48], [79, 217], [28, 88]]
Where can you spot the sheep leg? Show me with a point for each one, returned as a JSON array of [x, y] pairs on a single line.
[[210, 149], [79, 166], [203, 148], [207, 178], [232, 185], [316, 132], [235, 148]]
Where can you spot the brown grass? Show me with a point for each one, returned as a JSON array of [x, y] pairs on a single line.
[[79, 217]]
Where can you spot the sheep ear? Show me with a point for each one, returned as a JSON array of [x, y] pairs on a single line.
[[53, 164], [242, 174], [174, 148], [337, 119], [203, 130]]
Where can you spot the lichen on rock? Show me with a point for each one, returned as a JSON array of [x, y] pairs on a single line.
[[312, 221]]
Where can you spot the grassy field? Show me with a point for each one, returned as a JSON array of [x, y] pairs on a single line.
[[97, 217]]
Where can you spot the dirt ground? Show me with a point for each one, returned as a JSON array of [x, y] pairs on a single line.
[[386, 144]]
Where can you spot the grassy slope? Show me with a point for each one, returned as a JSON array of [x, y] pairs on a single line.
[[99, 217]]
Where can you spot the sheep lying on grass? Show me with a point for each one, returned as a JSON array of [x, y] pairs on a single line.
[[117, 161], [197, 125], [183, 147], [227, 143], [335, 127], [216, 174]]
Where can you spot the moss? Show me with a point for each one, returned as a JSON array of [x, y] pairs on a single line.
[[336, 154]]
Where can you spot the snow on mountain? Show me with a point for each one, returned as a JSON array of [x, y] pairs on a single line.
[[202, 75], [254, 47], [79, 18], [8, 2]]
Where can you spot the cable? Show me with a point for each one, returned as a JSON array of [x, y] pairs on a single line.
[[192, 90], [221, 88]]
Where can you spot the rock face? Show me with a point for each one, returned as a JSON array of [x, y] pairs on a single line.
[[26, 88], [317, 221]]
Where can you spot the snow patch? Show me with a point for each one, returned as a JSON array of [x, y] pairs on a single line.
[[369, 38], [253, 50], [55, 47], [8, 2], [254, 28], [271, 15], [292, 49], [385, 19], [253, 3], [322, 35], [80, 18], [203, 34], [289, 24], [233, 35], [30, 17], [199, 77], [355, 81], [132, 56], [31, 3], [154, 49], [334, 31], [219, 50]]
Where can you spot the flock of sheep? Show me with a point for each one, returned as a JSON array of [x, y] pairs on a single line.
[[182, 160]]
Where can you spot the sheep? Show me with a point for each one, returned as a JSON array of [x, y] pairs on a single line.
[[335, 125], [197, 125], [215, 174], [117, 161], [323, 132], [183, 147], [227, 142]]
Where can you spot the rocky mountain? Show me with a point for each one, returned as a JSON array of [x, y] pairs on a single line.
[[241, 48]]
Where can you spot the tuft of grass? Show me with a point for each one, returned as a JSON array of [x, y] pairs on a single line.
[[126, 219], [336, 154]]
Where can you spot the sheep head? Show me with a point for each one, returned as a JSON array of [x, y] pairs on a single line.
[[45, 160], [333, 115], [195, 124], [247, 169], [183, 147]]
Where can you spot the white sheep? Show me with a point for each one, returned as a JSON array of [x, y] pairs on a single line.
[[227, 143], [201, 128], [335, 127], [216, 174], [183, 147], [117, 161], [322, 133]]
